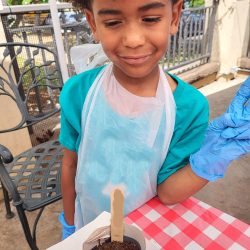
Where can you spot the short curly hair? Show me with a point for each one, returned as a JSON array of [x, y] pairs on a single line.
[[87, 4]]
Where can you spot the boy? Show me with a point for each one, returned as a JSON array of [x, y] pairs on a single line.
[[129, 124]]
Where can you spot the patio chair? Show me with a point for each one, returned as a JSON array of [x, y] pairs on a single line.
[[31, 179]]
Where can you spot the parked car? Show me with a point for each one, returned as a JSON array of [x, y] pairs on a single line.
[[72, 17], [68, 17]]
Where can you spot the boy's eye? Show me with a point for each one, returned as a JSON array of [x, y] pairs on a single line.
[[151, 19], [112, 23]]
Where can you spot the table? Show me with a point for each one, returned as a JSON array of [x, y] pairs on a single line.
[[191, 224]]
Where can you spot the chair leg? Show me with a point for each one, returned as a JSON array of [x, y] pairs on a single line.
[[26, 227], [35, 223], [9, 213]]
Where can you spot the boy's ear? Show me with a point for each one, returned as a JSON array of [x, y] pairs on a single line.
[[176, 14], [91, 20]]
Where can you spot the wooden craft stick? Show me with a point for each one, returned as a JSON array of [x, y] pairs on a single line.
[[117, 225]]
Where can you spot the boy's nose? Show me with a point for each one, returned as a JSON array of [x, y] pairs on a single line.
[[133, 36]]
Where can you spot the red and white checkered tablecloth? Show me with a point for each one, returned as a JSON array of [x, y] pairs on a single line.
[[191, 224]]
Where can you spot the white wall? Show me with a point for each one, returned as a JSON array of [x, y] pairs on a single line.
[[232, 32]]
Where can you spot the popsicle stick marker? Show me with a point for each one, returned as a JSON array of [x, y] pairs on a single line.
[[117, 224]]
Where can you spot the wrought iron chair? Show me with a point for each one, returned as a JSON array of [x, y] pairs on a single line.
[[32, 178]]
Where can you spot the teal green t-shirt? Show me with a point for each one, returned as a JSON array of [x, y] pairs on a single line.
[[191, 120]]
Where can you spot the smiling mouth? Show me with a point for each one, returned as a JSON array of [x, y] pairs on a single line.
[[135, 59]]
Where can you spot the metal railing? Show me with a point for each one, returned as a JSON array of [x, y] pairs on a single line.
[[191, 46], [36, 28]]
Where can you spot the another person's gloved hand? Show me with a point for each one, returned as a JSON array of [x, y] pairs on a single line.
[[237, 117], [67, 230], [227, 138]]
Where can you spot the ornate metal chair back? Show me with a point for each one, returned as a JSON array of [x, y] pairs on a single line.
[[31, 79]]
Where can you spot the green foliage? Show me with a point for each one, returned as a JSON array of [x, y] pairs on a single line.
[[23, 2], [196, 3]]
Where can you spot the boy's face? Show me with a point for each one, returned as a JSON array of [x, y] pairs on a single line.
[[134, 33]]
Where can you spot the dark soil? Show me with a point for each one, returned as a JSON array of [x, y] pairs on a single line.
[[127, 244]]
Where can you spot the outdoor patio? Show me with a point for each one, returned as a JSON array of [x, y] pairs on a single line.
[[197, 53], [229, 194]]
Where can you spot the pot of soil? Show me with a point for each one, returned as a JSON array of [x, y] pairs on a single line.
[[100, 239], [117, 236]]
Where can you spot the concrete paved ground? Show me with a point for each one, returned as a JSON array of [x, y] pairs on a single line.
[[230, 194]]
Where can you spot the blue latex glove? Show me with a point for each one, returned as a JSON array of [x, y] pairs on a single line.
[[67, 230], [227, 138], [232, 126], [239, 133], [237, 117], [240, 105]]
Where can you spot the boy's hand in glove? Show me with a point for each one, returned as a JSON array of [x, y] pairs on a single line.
[[227, 138], [67, 230]]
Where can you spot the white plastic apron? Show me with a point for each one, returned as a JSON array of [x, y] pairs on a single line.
[[117, 150]]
